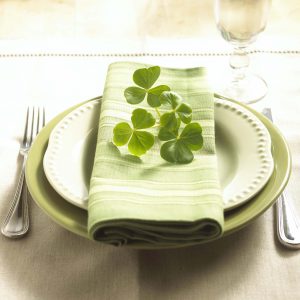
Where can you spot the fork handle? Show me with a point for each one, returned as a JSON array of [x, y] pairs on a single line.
[[16, 223], [288, 226]]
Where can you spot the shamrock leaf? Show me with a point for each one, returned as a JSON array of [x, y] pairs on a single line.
[[146, 77], [176, 151], [184, 112], [154, 94], [122, 134], [134, 94], [170, 98], [165, 134], [142, 119], [169, 133], [159, 89], [139, 141], [168, 120], [191, 135], [179, 149]]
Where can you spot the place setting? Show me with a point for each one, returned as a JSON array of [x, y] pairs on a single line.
[[87, 184]]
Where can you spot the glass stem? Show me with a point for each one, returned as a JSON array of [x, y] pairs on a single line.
[[239, 62]]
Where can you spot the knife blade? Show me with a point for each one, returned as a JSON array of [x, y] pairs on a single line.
[[287, 222], [267, 112]]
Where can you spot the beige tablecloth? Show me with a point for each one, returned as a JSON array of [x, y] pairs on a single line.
[[52, 263]]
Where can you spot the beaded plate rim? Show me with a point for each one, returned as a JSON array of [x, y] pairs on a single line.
[[243, 195], [264, 154]]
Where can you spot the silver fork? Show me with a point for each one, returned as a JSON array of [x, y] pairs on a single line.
[[16, 222]]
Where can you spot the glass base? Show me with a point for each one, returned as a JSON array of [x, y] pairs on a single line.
[[248, 90]]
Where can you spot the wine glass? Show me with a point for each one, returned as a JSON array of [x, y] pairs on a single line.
[[240, 21]]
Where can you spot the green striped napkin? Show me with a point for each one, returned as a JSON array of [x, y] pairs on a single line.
[[147, 202]]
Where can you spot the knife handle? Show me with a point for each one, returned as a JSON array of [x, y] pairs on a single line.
[[288, 226]]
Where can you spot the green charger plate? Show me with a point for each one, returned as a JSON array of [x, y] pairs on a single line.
[[75, 219]]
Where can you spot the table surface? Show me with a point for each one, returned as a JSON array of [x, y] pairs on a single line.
[[52, 263]]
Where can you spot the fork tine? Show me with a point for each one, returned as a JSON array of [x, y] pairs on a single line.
[[26, 127], [32, 126], [38, 121], [44, 116]]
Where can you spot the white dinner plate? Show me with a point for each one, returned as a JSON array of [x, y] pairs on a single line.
[[243, 149]]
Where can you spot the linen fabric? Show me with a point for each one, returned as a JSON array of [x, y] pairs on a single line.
[[147, 202]]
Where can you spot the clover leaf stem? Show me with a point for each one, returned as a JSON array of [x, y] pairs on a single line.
[[157, 125], [157, 111]]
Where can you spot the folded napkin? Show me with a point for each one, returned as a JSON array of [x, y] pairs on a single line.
[[147, 202]]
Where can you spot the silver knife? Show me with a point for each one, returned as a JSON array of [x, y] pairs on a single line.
[[288, 223]]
